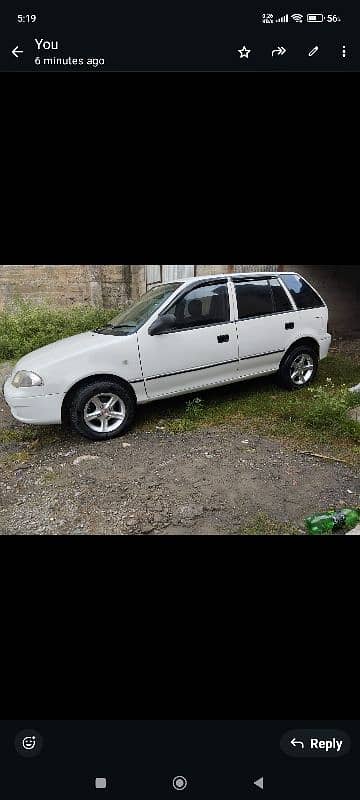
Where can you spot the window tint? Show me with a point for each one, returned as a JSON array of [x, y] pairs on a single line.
[[281, 300], [206, 305], [254, 298], [303, 294]]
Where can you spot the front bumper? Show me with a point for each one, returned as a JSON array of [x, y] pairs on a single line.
[[38, 410]]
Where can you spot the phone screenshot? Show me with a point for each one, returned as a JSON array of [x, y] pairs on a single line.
[[169, 759], [188, 36]]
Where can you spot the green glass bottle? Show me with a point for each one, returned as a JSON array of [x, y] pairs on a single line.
[[345, 519]]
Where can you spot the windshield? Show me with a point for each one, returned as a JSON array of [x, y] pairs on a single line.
[[133, 317]]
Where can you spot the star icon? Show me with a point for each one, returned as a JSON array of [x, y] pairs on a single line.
[[244, 52]]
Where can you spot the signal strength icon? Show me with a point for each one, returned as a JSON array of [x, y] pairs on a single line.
[[285, 18], [297, 17]]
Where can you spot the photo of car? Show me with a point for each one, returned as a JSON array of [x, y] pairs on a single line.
[[179, 338]]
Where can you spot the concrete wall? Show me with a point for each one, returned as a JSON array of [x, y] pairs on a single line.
[[340, 286], [117, 284], [66, 284], [213, 269]]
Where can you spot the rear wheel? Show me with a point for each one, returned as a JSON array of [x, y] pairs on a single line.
[[299, 368], [102, 410]]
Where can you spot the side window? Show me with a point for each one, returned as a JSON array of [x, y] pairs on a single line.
[[303, 294], [281, 300], [254, 298], [206, 305]]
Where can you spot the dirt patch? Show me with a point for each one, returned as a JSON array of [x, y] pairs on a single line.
[[215, 481]]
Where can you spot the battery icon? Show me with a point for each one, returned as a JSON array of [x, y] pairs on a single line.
[[315, 18]]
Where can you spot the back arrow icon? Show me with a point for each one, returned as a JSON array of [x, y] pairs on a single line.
[[280, 51], [16, 51]]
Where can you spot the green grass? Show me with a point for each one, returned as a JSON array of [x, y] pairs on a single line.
[[25, 327], [263, 524], [42, 433], [312, 419]]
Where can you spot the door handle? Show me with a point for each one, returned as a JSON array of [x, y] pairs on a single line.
[[223, 339], [289, 326]]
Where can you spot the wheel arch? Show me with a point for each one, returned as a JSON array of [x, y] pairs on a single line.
[[309, 340], [102, 376]]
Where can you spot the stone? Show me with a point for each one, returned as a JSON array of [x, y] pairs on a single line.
[[354, 413], [354, 532], [190, 512], [80, 459]]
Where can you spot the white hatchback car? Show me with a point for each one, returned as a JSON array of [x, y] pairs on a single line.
[[178, 338]]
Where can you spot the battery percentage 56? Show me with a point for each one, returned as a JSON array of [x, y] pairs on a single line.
[[322, 18]]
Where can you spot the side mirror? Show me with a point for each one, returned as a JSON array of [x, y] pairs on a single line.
[[163, 323]]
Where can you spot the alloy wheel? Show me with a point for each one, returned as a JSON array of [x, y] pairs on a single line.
[[302, 369], [104, 413]]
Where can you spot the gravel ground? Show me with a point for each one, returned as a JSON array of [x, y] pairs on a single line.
[[204, 482], [349, 348]]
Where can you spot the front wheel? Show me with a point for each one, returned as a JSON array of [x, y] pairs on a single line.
[[102, 411], [299, 368]]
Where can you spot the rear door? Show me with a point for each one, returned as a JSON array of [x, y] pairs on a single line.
[[266, 324], [313, 313]]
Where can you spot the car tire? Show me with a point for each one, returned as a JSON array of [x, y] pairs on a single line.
[[299, 368], [102, 410]]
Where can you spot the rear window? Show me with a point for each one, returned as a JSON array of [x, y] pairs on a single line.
[[302, 293], [254, 298]]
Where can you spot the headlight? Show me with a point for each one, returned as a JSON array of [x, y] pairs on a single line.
[[24, 378]]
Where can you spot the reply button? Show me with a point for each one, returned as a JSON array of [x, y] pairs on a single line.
[[315, 743]]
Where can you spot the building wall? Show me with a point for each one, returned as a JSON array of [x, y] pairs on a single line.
[[67, 284], [155, 272], [339, 285], [99, 284]]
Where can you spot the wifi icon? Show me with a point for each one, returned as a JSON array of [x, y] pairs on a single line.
[[297, 17]]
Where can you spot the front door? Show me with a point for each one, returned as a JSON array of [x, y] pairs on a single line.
[[200, 351], [266, 324]]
